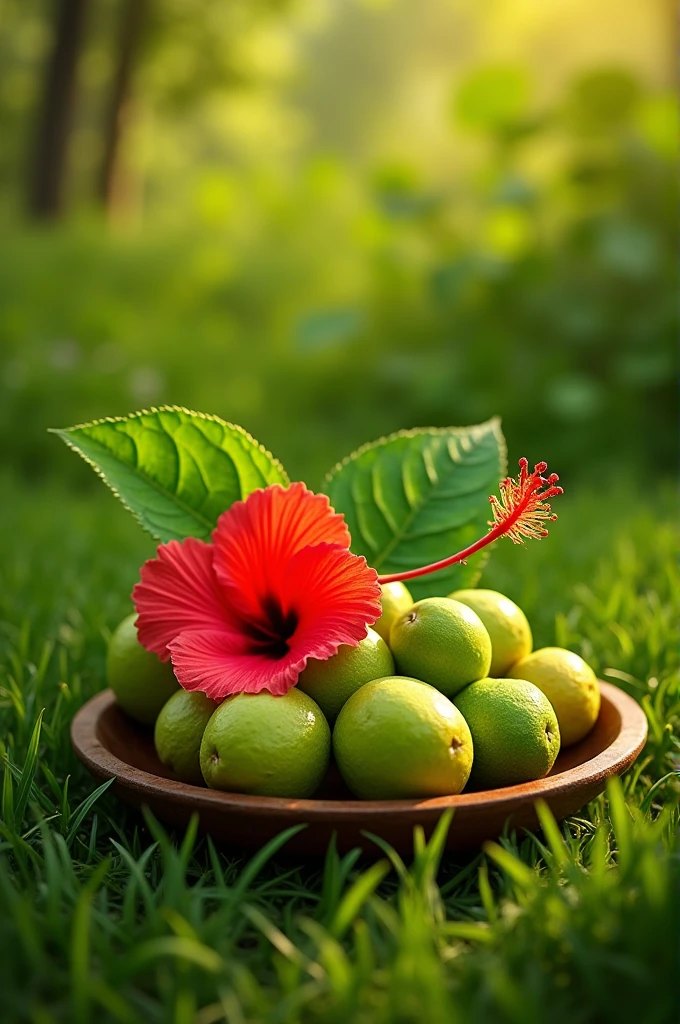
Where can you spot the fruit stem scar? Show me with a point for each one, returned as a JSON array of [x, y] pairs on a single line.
[[521, 512]]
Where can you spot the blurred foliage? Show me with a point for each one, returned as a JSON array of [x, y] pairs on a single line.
[[324, 310], [324, 299], [187, 60]]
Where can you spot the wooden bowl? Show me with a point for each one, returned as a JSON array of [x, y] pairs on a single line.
[[111, 745]]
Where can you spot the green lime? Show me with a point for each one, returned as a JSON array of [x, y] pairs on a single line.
[[395, 600], [569, 684], [178, 733], [505, 623], [514, 730], [271, 746], [442, 642], [331, 682], [140, 680], [398, 738]]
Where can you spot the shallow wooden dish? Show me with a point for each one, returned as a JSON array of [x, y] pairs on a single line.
[[111, 745]]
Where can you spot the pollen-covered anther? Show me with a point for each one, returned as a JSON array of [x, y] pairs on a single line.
[[522, 510]]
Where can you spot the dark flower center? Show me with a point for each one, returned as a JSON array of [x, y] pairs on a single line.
[[270, 634]]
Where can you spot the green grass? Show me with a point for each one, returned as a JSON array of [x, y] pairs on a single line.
[[104, 916]]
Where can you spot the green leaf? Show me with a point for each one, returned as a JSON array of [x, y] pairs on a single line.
[[417, 496], [175, 470]]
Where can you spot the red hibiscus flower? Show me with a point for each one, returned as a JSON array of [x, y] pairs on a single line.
[[277, 585]]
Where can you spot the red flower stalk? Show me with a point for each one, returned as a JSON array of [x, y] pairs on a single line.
[[276, 586], [521, 512]]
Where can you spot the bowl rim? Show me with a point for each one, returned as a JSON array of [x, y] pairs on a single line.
[[614, 759]]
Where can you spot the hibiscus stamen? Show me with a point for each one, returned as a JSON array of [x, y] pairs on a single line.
[[521, 511]]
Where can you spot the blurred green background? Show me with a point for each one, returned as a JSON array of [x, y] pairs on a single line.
[[330, 219]]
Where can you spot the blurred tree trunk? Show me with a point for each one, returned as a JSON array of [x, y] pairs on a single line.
[[111, 185], [48, 171]]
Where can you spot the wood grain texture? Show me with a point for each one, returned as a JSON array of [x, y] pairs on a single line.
[[112, 746]]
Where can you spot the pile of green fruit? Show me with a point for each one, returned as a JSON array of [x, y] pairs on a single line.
[[442, 694]]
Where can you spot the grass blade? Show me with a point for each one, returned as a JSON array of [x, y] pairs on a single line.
[[28, 771], [511, 865], [658, 785], [354, 899], [83, 809], [552, 834], [8, 813], [255, 865]]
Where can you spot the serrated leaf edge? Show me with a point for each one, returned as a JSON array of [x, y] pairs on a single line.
[[494, 422], [64, 432]]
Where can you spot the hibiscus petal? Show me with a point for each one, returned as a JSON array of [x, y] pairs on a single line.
[[277, 586], [178, 591], [334, 594], [255, 539], [331, 592], [219, 663]]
